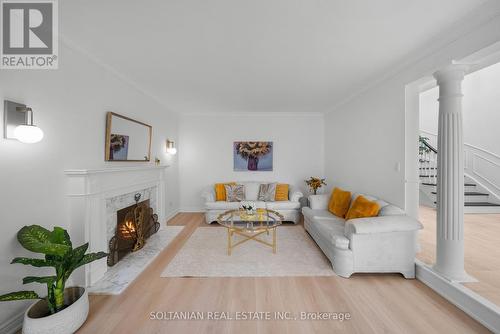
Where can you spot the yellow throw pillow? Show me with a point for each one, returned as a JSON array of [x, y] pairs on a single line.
[[363, 208], [281, 192], [339, 202], [220, 191]]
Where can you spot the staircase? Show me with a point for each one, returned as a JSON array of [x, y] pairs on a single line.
[[477, 199]]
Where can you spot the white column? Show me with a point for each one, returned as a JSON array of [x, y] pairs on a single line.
[[450, 171]]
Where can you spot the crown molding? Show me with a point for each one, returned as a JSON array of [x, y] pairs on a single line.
[[252, 114], [477, 18]]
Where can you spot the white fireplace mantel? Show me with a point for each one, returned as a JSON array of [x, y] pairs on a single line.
[[88, 190]]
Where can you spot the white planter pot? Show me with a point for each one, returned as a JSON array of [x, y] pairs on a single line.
[[67, 321]]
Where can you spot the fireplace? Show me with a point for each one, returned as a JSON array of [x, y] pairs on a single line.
[[134, 225]]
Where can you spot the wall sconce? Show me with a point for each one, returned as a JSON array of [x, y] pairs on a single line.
[[171, 147], [18, 123]]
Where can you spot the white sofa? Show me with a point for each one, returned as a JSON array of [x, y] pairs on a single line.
[[387, 243], [289, 209]]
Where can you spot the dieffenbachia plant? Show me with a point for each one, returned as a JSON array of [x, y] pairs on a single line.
[[59, 253]]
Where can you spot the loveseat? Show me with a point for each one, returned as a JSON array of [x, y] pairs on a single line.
[[382, 244], [289, 209]]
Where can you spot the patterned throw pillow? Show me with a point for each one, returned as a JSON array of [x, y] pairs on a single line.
[[235, 192], [267, 192]]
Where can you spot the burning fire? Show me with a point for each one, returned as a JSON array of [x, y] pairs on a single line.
[[127, 229]]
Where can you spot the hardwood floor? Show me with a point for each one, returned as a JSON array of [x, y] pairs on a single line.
[[376, 303], [482, 250]]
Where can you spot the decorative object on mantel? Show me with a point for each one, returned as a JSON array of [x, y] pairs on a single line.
[[64, 310], [127, 139], [171, 147], [18, 123], [134, 225], [315, 183], [253, 155]]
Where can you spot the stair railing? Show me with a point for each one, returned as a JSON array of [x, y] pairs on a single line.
[[428, 160]]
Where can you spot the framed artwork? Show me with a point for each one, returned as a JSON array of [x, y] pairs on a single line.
[[253, 155]]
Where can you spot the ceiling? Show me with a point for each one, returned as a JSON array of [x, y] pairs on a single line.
[[199, 56]]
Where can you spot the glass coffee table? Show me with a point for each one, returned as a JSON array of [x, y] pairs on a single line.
[[250, 226]]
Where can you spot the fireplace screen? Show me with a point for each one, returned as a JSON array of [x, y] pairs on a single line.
[[134, 225]]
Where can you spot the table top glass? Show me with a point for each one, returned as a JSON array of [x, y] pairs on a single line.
[[259, 220]]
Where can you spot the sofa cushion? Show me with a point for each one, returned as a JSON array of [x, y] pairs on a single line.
[[251, 191], [333, 230], [222, 205], [283, 205], [312, 214], [380, 202], [390, 210]]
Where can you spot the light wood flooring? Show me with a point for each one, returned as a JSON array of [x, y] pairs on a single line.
[[482, 250], [376, 303]]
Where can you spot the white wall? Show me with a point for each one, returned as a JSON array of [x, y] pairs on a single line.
[[70, 106], [481, 109], [365, 136], [206, 155]]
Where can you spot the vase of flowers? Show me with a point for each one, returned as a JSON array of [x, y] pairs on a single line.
[[63, 310], [315, 183]]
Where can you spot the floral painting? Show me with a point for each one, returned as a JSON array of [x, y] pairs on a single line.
[[253, 155]]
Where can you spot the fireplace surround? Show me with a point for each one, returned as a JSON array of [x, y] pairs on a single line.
[[95, 196]]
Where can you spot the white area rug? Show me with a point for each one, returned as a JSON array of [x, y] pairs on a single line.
[[119, 277], [205, 255]]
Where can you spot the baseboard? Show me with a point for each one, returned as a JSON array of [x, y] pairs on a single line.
[[192, 209], [476, 306], [172, 215], [13, 325]]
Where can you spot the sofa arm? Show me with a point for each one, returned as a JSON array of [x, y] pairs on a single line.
[[296, 195], [319, 202], [384, 224], [208, 195]]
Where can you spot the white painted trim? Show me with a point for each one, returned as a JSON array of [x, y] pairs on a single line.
[[112, 170], [478, 173], [258, 113], [171, 215], [192, 209], [476, 306], [13, 325]]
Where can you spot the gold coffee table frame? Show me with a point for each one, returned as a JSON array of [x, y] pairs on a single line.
[[250, 227]]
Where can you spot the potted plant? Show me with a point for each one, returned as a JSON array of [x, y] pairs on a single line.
[[315, 183], [63, 310]]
